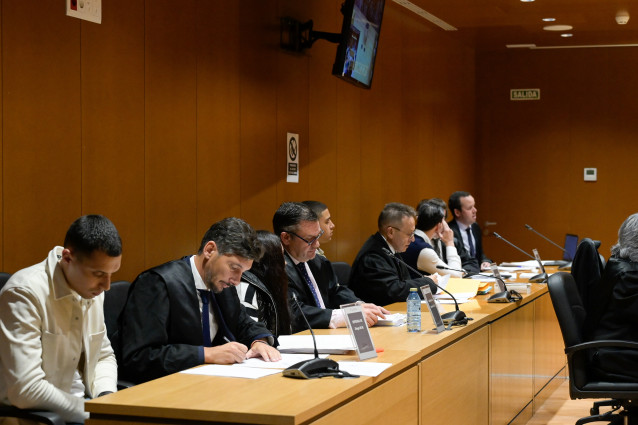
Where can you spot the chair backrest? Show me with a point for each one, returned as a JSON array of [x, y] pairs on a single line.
[[587, 267], [114, 300], [342, 270], [4, 277], [571, 315]]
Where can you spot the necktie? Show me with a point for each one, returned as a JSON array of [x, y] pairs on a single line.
[[304, 273], [469, 240], [205, 317]]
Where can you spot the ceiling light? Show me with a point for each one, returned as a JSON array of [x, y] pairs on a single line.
[[558, 28], [566, 35], [549, 19], [527, 1]]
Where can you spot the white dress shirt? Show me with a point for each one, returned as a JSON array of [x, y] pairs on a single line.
[[428, 258]]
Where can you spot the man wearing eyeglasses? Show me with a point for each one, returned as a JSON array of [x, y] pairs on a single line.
[[377, 275], [310, 276]]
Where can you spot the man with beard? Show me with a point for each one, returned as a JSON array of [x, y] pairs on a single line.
[[186, 312]]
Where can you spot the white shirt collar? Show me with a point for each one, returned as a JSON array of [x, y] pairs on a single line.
[[392, 250], [199, 282]]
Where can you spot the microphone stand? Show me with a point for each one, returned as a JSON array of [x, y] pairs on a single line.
[[539, 278], [313, 368], [563, 264], [453, 317]]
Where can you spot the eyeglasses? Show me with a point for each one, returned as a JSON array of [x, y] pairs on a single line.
[[311, 241], [409, 235]]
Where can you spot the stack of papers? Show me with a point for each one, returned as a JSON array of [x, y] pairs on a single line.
[[328, 344], [462, 289], [396, 319]]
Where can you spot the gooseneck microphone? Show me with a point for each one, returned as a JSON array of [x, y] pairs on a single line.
[[317, 367], [453, 317], [559, 263], [503, 296], [539, 278]]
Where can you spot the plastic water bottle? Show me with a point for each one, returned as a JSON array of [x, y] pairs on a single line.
[[414, 311]]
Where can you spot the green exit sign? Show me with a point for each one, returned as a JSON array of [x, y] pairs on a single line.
[[525, 94]]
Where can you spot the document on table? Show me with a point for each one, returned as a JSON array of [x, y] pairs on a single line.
[[232, 371], [462, 289], [364, 368], [286, 361], [329, 344]]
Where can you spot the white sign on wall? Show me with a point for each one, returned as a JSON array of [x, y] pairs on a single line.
[[292, 158]]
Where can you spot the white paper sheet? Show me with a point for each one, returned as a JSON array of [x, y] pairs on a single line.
[[231, 371]]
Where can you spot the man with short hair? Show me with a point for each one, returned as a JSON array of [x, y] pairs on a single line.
[[186, 312], [467, 232], [311, 277], [430, 223], [53, 346], [325, 221], [377, 276]]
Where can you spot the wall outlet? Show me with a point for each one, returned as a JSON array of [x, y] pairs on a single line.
[[89, 10]]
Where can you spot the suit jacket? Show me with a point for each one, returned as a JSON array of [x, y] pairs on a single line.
[[469, 263], [332, 293], [616, 296], [160, 327], [378, 278]]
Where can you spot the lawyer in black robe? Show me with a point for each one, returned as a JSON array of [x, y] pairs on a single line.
[[160, 328]]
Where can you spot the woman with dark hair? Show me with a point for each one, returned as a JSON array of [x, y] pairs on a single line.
[[614, 307], [264, 288]]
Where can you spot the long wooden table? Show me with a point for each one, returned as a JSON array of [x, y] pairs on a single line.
[[492, 371]]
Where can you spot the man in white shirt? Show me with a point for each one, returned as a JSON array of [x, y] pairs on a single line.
[[420, 254], [53, 346], [325, 222], [311, 277]]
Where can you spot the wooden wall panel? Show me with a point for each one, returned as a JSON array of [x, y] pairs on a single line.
[[170, 124], [322, 171], [218, 114], [113, 125], [41, 129], [188, 122], [384, 159], [258, 111], [534, 152]]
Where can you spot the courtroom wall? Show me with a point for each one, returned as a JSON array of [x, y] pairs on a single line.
[[171, 115], [533, 152]]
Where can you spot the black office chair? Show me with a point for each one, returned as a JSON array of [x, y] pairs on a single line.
[[4, 277], [342, 270], [571, 314], [114, 300], [587, 268]]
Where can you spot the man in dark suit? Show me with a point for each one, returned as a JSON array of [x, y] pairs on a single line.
[[310, 276], [467, 232], [377, 276], [186, 312]]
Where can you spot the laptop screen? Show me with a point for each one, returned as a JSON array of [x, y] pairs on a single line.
[[571, 243]]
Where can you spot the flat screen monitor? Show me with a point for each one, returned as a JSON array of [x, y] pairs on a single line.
[[357, 49], [571, 243]]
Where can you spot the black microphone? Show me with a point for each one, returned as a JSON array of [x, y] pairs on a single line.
[[453, 317], [560, 263], [539, 278], [503, 296], [313, 368]]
